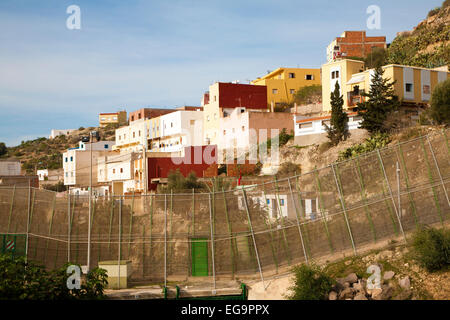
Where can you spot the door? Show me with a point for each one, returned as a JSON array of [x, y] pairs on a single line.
[[199, 249]]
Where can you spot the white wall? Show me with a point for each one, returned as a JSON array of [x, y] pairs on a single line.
[[318, 128], [408, 77], [10, 168]]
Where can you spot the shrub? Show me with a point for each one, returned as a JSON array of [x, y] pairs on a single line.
[[310, 283], [431, 248], [308, 94], [3, 149], [377, 141], [177, 182], [440, 101], [28, 281]]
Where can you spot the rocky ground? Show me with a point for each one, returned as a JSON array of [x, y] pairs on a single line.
[[401, 278]]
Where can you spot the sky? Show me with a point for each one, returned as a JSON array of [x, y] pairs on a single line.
[[133, 54]]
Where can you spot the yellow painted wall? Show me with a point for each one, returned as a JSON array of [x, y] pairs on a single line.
[[211, 115], [279, 80], [348, 68]]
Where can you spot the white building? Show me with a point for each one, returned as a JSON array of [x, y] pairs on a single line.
[[122, 171], [77, 162], [9, 168], [65, 132], [42, 174], [310, 131], [282, 204]]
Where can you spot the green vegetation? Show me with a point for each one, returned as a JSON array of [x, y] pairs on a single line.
[[380, 103], [3, 149], [377, 58], [427, 46], [21, 280], [440, 103], [377, 141], [59, 187], [310, 283], [308, 94], [283, 138], [338, 129], [176, 182], [431, 248]]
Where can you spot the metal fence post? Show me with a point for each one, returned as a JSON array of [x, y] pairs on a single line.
[[68, 226], [253, 236], [438, 170], [341, 197], [298, 221], [28, 221], [165, 240], [212, 243], [120, 240], [397, 171], [390, 192]]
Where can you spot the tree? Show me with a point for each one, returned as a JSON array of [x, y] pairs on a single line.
[[338, 129], [377, 58], [380, 102], [440, 103], [3, 149]]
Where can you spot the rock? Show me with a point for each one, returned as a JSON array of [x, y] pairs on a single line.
[[333, 295], [386, 293], [347, 263], [347, 285], [388, 275], [339, 286], [405, 283], [346, 293], [383, 255], [351, 278], [360, 286], [360, 296], [403, 295], [374, 292]]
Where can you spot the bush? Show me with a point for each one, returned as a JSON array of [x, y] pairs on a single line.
[[178, 183], [440, 101], [377, 141], [308, 94], [3, 149], [431, 248], [310, 283], [20, 280]]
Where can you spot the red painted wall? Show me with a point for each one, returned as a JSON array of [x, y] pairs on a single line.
[[233, 95], [202, 160]]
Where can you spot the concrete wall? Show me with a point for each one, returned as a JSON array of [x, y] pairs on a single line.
[[9, 168]]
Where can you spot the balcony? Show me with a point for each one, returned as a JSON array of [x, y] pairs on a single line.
[[354, 98]]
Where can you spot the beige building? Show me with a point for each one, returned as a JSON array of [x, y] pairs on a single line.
[[119, 118]]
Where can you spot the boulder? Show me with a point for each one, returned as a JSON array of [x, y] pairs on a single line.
[[405, 283], [332, 295], [388, 275], [360, 286], [385, 294], [403, 295], [346, 294], [351, 278], [360, 296]]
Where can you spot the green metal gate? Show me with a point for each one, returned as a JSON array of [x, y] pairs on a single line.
[[13, 244], [199, 249]]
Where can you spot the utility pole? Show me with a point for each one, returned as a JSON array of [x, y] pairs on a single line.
[[90, 206]]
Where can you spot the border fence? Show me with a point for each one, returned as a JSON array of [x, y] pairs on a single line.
[[247, 232]]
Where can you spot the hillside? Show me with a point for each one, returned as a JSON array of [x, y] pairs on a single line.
[[43, 153], [427, 45]]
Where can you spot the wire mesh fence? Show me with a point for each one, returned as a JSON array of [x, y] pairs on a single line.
[[251, 232]]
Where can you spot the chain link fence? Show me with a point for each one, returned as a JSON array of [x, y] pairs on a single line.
[[249, 232]]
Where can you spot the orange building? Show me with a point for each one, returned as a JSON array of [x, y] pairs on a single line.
[[354, 44]]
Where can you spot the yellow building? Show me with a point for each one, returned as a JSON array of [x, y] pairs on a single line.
[[339, 71], [284, 82], [119, 117], [413, 85]]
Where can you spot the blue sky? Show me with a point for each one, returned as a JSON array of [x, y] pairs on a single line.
[[132, 54]]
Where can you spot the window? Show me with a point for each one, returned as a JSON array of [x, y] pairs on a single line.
[[243, 128], [139, 116], [426, 89], [281, 202], [337, 74], [305, 125], [71, 159], [224, 132], [124, 136], [291, 91], [66, 159], [207, 118], [333, 75], [215, 116], [114, 170], [71, 174], [67, 174], [215, 98], [268, 201], [132, 118], [171, 124], [309, 77], [274, 91], [139, 133], [120, 137], [409, 87], [115, 118], [121, 170], [106, 146], [192, 122], [291, 75], [133, 134]]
